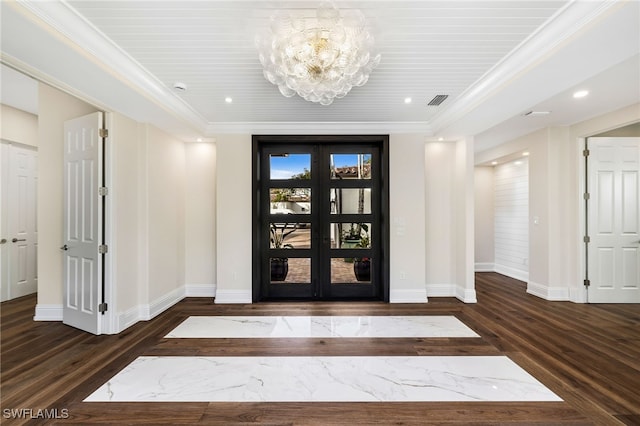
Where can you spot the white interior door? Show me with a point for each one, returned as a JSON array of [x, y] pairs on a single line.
[[83, 291], [18, 224], [23, 232], [614, 220]]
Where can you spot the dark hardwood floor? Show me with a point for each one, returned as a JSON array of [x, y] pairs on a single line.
[[589, 355]]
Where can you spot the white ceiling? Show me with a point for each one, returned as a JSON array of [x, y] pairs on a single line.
[[495, 60]]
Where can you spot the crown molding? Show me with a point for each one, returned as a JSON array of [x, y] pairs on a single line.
[[65, 24], [558, 30], [320, 128]]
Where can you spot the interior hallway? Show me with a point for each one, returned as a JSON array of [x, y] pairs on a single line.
[[586, 354]]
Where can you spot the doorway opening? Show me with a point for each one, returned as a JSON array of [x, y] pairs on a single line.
[[320, 210]]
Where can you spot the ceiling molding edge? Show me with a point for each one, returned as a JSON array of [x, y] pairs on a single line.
[[81, 35], [324, 128], [567, 22]]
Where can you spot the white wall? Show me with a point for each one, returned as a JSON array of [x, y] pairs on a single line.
[[166, 200], [55, 108], [449, 229], [407, 207], [511, 219], [556, 175], [200, 215], [431, 228], [148, 196], [484, 220], [146, 204], [18, 126], [464, 221], [439, 238], [233, 219], [126, 222]]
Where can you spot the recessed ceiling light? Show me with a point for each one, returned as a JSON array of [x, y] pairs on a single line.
[[534, 113], [440, 139], [407, 100], [178, 85], [525, 154], [580, 94], [494, 163], [199, 140], [517, 163], [228, 99]]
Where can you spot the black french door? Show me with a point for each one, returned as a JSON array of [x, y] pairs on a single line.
[[319, 230]]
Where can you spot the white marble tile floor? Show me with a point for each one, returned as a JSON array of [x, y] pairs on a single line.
[[322, 379], [320, 326]]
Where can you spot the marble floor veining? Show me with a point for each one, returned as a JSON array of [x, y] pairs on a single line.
[[320, 326], [322, 379]]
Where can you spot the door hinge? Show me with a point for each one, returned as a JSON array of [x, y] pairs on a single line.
[[587, 283], [587, 196], [102, 308], [103, 191], [104, 133], [103, 249], [586, 239], [586, 153]]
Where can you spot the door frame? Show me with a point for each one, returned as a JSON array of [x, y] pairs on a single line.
[[383, 144]]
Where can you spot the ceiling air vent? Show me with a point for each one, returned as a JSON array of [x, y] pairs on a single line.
[[437, 100]]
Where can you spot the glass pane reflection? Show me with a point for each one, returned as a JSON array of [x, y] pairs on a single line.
[[357, 271], [350, 235], [350, 200], [290, 235], [290, 200], [351, 166], [289, 166], [291, 270]]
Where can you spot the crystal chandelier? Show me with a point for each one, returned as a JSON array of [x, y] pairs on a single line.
[[319, 58]]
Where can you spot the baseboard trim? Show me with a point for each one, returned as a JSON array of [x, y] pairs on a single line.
[[555, 294], [200, 290], [166, 301], [466, 295], [578, 295], [149, 311], [408, 296], [441, 290], [127, 318], [233, 296], [484, 267], [48, 312], [514, 273]]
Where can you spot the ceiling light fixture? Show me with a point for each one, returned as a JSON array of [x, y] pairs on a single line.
[[407, 100], [580, 94], [319, 58], [228, 100], [525, 154], [536, 113]]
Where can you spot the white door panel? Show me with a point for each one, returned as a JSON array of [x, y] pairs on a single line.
[[83, 222], [614, 220], [22, 233]]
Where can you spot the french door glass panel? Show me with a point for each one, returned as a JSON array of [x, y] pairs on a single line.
[[327, 248]]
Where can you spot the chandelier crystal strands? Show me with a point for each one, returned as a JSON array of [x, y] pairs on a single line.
[[319, 58]]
